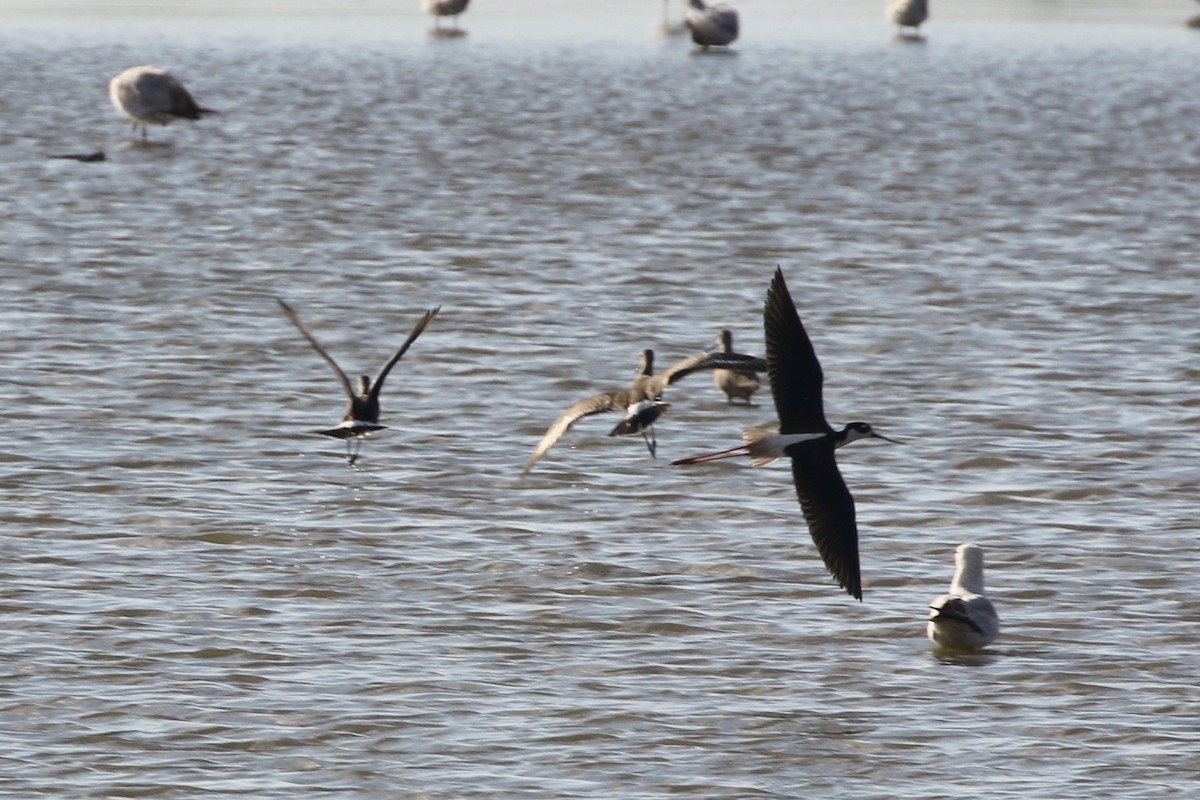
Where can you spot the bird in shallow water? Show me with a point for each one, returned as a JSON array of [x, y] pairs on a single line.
[[444, 8], [362, 410], [711, 25], [739, 383], [964, 619], [152, 96], [806, 438], [908, 14], [641, 402]]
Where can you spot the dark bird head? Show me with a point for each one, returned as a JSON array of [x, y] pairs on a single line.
[[861, 430], [647, 363], [724, 341], [364, 385]]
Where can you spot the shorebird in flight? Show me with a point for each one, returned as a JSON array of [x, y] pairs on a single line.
[[642, 401], [806, 438], [152, 96], [362, 410], [964, 619]]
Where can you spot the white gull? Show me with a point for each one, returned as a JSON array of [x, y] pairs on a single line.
[[964, 619]]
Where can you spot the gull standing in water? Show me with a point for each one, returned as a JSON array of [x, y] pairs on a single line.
[[806, 438], [964, 619], [711, 25], [152, 96], [444, 8], [362, 410], [641, 402], [740, 383], [908, 14]]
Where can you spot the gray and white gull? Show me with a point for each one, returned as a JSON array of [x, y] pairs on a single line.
[[908, 14], [713, 25], [152, 96], [964, 618]]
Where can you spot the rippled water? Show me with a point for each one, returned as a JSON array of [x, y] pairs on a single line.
[[991, 237]]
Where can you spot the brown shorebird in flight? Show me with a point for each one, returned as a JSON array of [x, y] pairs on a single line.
[[641, 402]]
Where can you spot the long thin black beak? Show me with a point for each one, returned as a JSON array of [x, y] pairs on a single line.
[[886, 439]]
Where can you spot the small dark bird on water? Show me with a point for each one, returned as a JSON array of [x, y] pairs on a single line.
[[806, 438], [362, 409], [87, 158]]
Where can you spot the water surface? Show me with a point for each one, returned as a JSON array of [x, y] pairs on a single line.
[[990, 236]]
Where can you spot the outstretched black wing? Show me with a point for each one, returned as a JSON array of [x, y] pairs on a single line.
[[795, 372], [828, 509], [422, 323], [295, 318]]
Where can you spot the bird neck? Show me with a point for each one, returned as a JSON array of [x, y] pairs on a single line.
[[968, 575]]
